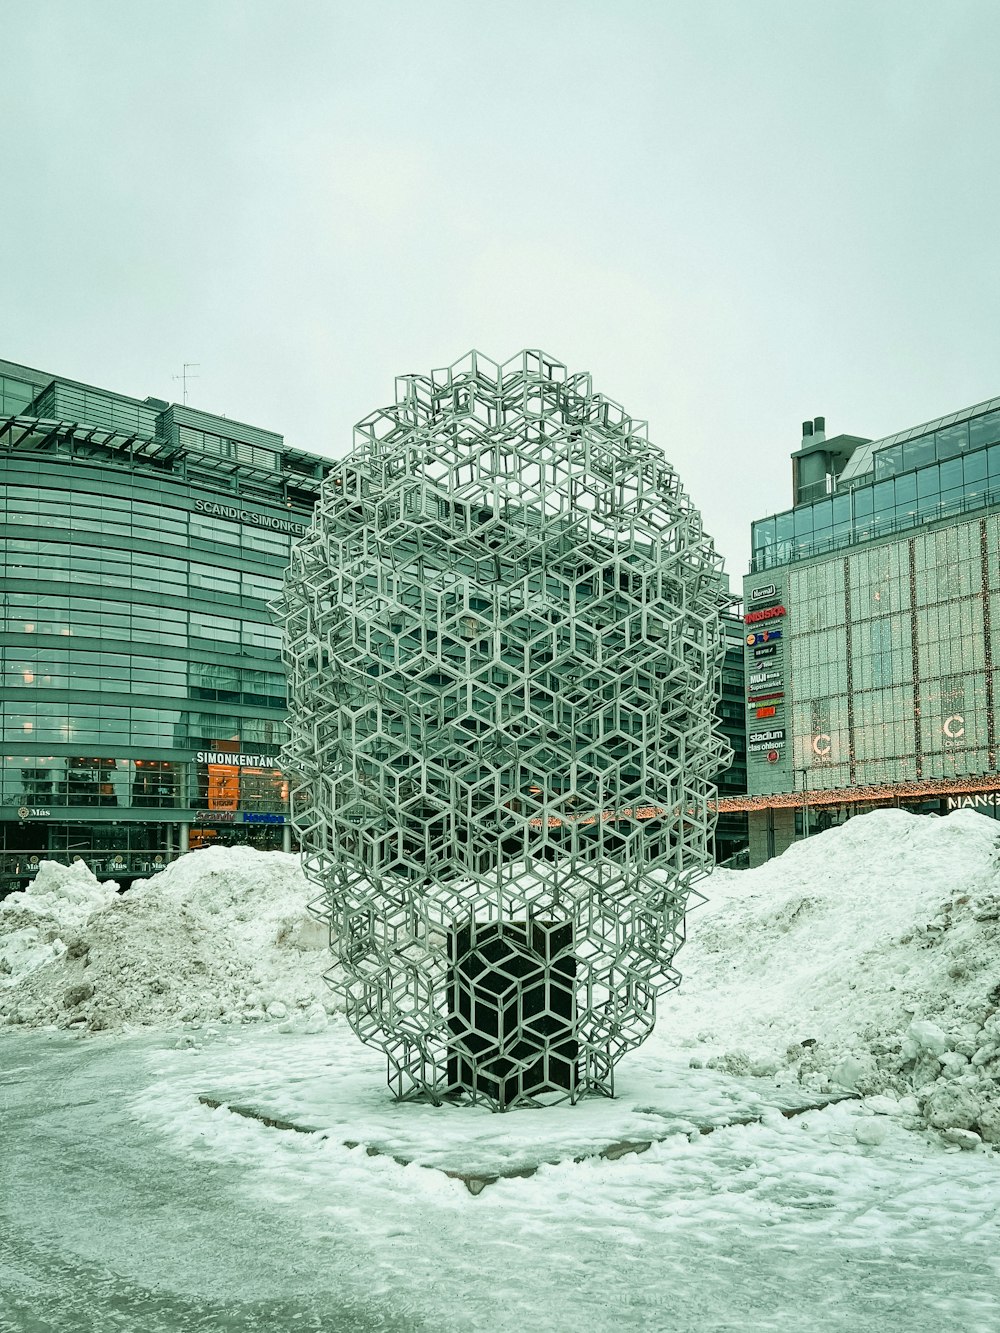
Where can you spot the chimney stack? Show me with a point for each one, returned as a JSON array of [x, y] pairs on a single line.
[[819, 428]]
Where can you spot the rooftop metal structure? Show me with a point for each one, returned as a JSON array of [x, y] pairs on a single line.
[[862, 460], [295, 473]]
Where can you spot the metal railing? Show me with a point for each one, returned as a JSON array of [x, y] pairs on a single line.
[[17, 866], [805, 550]]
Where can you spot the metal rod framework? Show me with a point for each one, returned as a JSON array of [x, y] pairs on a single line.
[[503, 640]]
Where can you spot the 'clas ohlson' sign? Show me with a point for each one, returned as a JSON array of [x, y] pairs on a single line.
[[249, 516]]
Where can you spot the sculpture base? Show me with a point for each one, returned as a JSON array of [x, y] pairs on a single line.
[[334, 1088]]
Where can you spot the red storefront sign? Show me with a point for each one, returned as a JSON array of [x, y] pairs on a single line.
[[752, 617]]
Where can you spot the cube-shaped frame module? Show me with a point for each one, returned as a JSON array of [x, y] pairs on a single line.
[[503, 641]]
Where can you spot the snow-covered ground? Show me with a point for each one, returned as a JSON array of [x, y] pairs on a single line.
[[126, 1204], [865, 959], [863, 964]]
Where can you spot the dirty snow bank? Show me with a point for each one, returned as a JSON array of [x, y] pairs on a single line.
[[866, 958], [220, 934], [59, 901]]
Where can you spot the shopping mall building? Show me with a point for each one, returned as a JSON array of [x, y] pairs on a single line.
[[871, 623], [144, 694]]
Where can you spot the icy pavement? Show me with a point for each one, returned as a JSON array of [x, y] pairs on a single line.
[[126, 1204]]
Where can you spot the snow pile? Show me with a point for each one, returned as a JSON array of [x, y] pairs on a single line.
[[221, 934], [866, 958], [68, 894], [59, 900]]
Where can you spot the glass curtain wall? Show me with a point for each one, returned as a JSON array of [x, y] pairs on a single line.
[[115, 652], [904, 687], [893, 503]]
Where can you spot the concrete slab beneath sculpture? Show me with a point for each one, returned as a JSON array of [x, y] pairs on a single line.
[[469, 1143]]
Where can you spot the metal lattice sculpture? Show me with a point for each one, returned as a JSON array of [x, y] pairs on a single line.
[[503, 642]]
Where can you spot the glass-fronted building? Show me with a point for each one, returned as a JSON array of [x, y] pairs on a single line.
[[872, 615], [144, 694]]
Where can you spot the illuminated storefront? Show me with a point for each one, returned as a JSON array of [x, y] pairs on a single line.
[[872, 621], [143, 690]]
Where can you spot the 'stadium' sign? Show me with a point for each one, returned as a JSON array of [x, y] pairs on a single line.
[[768, 613], [236, 760], [249, 516], [763, 742], [770, 737]]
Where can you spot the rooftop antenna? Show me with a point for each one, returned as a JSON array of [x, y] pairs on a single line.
[[184, 377]]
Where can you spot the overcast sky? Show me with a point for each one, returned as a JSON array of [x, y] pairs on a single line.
[[735, 215]]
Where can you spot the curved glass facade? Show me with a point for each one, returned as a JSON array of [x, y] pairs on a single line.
[[144, 695]]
